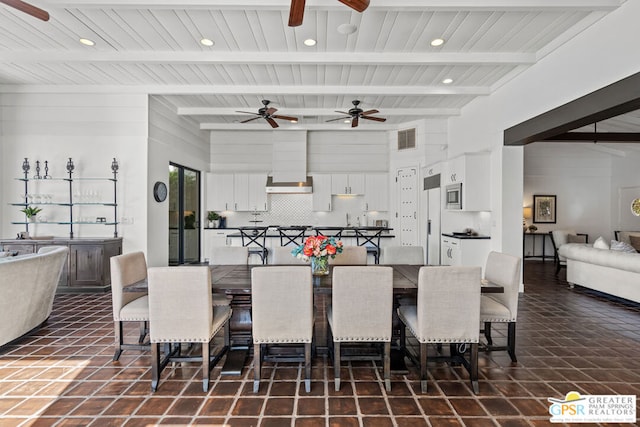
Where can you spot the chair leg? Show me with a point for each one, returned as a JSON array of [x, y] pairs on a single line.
[[473, 371], [511, 341], [206, 365], [143, 332], [155, 366], [487, 333], [336, 364], [307, 367], [423, 367], [387, 366], [257, 362], [117, 328]]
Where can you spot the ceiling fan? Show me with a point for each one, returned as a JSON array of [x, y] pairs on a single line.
[[296, 12], [356, 113], [27, 8], [266, 113]]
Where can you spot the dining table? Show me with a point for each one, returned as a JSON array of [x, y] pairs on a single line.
[[234, 281]]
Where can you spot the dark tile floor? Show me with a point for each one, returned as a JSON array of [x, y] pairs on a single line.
[[567, 340]]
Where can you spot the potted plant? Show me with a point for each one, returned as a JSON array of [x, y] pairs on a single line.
[[213, 218], [31, 212]]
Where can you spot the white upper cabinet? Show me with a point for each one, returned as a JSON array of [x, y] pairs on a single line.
[[376, 194], [342, 183], [473, 171], [220, 194], [249, 192], [322, 192]]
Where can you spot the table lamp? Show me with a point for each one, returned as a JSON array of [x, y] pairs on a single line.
[[527, 212]]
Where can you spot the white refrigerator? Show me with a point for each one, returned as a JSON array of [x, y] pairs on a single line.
[[433, 208]]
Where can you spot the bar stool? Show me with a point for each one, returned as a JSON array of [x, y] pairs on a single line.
[[255, 239], [293, 235]]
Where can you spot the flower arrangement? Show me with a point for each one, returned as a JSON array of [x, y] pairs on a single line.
[[318, 249]]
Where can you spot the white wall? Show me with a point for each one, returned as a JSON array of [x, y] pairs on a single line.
[[90, 128], [562, 76], [176, 139]]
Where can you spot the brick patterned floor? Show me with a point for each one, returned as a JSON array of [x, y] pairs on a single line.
[[567, 340]]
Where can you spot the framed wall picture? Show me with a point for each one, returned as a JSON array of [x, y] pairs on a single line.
[[544, 209]]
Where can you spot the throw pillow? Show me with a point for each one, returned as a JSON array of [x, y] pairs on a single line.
[[600, 243], [572, 238], [635, 242], [622, 247]]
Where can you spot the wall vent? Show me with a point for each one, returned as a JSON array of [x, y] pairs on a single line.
[[406, 139]]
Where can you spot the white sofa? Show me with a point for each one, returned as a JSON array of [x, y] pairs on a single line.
[[612, 272], [27, 288]]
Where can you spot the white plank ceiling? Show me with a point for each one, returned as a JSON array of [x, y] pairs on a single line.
[[388, 62]]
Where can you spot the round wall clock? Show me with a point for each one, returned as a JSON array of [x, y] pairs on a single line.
[[160, 191]]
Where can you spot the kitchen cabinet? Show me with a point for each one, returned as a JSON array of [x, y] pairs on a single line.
[[473, 171], [376, 192], [215, 237], [220, 192], [458, 252], [342, 183], [321, 193], [88, 264], [249, 192]]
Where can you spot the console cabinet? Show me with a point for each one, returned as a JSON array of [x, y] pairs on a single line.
[[88, 264]]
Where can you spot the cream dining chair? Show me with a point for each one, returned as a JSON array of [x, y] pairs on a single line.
[[447, 312], [360, 311], [126, 270], [351, 255], [281, 313], [181, 311], [229, 255], [281, 255], [410, 255], [504, 270]]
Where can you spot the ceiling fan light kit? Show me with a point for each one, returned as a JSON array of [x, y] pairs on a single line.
[[267, 113], [356, 113]]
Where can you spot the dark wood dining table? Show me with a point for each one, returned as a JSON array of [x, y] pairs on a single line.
[[235, 282]]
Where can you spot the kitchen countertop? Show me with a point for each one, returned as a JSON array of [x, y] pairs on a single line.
[[346, 231], [465, 236]]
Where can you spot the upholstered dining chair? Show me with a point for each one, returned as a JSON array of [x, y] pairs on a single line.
[[411, 255], [351, 255], [281, 255], [229, 255], [504, 270], [361, 311], [281, 313], [126, 270], [181, 311], [447, 311]]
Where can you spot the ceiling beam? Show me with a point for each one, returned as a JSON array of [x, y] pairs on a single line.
[[438, 5], [285, 126], [610, 101], [596, 136], [206, 111], [250, 90], [302, 58]]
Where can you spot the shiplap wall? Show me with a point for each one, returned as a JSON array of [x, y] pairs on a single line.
[[92, 129], [176, 139], [336, 151]]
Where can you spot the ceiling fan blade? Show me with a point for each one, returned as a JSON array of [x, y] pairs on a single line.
[[354, 122], [271, 110], [339, 118], [366, 113], [343, 112], [272, 122], [244, 112], [291, 119], [377, 119], [357, 5], [296, 13], [251, 119], [27, 8]]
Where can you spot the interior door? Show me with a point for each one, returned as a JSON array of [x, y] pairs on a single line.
[[407, 190], [184, 215]]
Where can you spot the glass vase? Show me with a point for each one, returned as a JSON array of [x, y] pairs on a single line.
[[320, 266]]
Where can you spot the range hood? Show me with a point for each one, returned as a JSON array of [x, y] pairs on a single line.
[[305, 187]]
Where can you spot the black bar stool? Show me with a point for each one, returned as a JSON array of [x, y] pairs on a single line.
[[255, 238], [293, 235]]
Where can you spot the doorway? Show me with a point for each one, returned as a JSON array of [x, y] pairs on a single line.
[[184, 215]]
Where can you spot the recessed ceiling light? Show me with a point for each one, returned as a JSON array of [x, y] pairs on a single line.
[[206, 42], [309, 42], [437, 42], [347, 28], [87, 42], [447, 81]]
